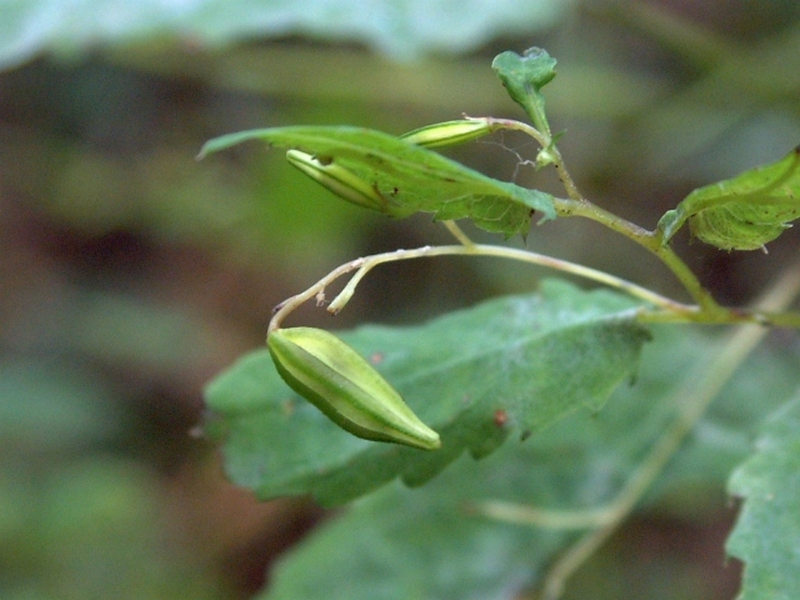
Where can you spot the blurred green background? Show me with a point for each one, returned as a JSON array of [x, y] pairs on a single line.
[[130, 274]]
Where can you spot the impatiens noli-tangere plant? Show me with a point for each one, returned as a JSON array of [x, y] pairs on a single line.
[[529, 384]]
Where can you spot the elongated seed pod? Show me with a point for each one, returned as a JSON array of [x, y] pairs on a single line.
[[448, 133], [343, 385], [339, 180]]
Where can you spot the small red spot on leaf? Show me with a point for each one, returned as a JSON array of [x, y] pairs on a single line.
[[500, 417]]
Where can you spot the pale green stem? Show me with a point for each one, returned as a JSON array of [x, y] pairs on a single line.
[[692, 399], [578, 206], [649, 240], [663, 310], [543, 518], [458, 233], [285, 308], [368, 263]]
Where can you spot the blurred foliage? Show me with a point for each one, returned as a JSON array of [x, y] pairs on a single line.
[[399, 28], [130, 274], [769, 526]]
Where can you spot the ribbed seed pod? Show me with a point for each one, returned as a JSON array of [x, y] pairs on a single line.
[[448, 133], [343, 385], [337, 179]]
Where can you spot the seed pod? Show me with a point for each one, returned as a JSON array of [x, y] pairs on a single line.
[[448, 133], [339, 180], [343, 385]]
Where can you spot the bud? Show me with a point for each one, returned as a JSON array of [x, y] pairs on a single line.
[[339, 180], [343, 385], [448, 133]]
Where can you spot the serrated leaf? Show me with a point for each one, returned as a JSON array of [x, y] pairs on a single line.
[[408, 177], [432, 543], [508, 366], [742, 213], [768, 529]]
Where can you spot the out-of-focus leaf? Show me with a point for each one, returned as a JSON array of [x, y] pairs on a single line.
[[768, 528], [742, 213], [513, 365], [91, 529], [400, 29], [409, 178], [433, 542], [49, 406]]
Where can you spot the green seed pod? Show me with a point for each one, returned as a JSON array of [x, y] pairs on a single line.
[[339, 180], [448, 133], [343, 385]]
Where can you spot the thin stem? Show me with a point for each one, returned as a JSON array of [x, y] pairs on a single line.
[[510, 512], [692, 399], [576, 205], [662, 309], [366, 264], [458, 233], [285, 308], [647, 239]]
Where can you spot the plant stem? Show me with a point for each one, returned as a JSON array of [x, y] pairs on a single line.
[[458, 233], [692, 399], [365, 264], [576, 205], [661, 309], [649, 240], [544, 518]]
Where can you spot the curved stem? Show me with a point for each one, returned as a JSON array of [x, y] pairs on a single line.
[[544, 518], [285, 308], [363, 265], [576, 205], [649, 240]]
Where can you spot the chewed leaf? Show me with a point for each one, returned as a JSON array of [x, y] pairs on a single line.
[[742, 213], [409, 178]]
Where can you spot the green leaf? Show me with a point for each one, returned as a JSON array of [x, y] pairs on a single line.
[[433, 543], [742, 213], [509, 366], [408, 177], [524, 77], [768, 529]]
